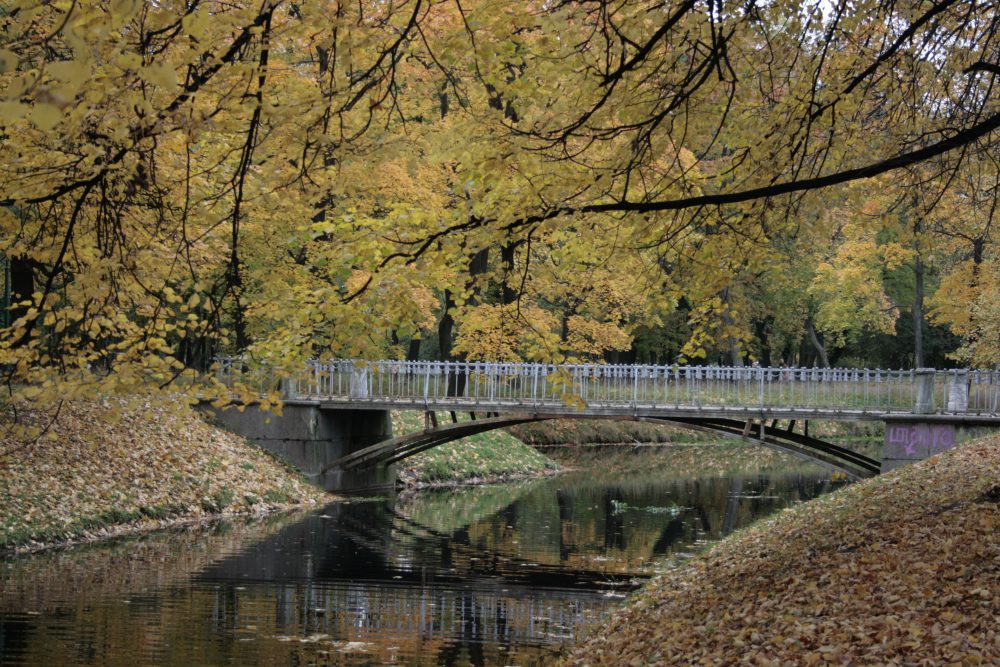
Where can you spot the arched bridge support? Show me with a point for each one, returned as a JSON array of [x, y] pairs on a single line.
[[823, 453], [309, 437], [354, 450]]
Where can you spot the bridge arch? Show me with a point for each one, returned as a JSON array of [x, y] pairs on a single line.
[[826, 454]]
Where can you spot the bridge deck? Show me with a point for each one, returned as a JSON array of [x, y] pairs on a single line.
[[958, 396], [611, 410]]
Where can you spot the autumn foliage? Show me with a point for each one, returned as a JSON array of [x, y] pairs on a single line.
[[662, 180]]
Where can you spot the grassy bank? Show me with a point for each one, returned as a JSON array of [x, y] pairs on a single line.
[[487, 457], [900, 569], [111, 468], [575, 431], [681, 460]]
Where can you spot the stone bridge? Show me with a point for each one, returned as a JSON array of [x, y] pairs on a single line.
[[335, 424]]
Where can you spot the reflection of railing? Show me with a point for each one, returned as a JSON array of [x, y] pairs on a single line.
[[362, 610], [500, 385]]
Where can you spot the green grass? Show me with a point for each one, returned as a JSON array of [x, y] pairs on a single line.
[[23, 535], [686, 461], [491, 455], [587, 431], [576, 431], [276, 496]]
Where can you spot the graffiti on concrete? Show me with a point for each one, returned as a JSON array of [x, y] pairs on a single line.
[[917, 441]]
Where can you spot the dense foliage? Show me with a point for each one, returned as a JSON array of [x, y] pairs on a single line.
[[783, 182]]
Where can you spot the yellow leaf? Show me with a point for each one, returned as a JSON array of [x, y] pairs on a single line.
[[45, 116], [195, 24], [8, 61], [68, 70], [123, 10], [11, 111], [159, 74], [129, 61], [17, 86]]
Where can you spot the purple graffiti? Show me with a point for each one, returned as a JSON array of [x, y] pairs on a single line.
[[918, 440]]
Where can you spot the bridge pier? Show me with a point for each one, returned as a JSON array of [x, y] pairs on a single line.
[[908, 440], [309, 437]]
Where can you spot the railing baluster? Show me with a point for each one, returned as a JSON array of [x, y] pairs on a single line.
[[427, 382]]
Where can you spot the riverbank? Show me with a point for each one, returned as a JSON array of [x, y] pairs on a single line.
[[903, 568], [574, 431], [548, 447], [104, 469], [611, 431], [486, 458], [722, 457]]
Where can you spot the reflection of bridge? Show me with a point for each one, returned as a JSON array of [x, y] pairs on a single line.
[[375, 572], [764, 404], [347, 576]]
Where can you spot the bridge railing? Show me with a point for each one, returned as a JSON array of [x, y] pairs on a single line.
[[595, 385]]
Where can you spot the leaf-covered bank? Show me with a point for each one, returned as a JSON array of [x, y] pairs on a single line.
[[488, 457], [108, 468], [900, 569]]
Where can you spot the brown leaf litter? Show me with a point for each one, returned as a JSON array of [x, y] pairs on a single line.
[[110, 467], [902, 569]]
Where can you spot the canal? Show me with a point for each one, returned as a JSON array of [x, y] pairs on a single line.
[[498, 575]]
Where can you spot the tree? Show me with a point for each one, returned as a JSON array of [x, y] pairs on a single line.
[[963, 226], [283, 179]]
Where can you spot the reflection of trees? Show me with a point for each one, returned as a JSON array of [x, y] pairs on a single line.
[[526, 568], [576, 523], [114, 568], [174, 601], [449, 509], [108, 600]]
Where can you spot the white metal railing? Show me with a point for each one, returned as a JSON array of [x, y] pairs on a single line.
[[496, 385]]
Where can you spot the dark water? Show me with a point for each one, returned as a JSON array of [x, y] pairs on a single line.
[[503, 575]]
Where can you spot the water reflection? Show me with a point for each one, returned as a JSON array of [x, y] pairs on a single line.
[[487, 576]]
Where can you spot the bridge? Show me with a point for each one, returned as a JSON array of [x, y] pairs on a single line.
[[341, 407]]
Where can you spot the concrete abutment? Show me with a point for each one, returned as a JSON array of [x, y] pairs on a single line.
[[309, 437], [916, 438]]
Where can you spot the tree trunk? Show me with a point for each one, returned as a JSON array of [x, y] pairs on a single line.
[[817, 345], [735, 353], [479, 263], [918, 294], [413, 351], [507, 293], [446, 327], [918, 313], [22, 285]]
